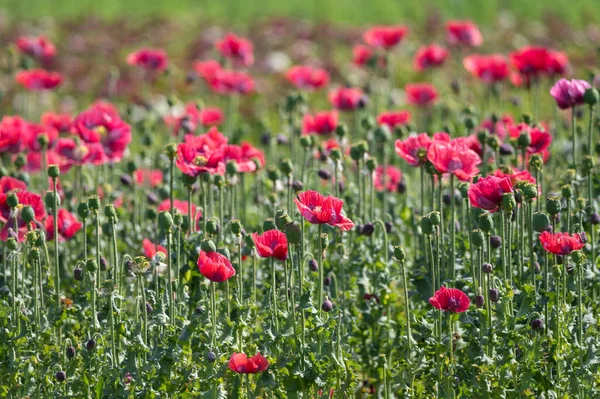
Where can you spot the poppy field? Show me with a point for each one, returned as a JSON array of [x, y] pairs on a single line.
[[299, 210]]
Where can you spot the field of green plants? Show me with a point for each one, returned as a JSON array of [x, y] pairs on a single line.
[[303, 200]]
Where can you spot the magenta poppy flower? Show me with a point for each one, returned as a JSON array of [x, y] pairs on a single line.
[[463, 33], [215, 267], [455, 158], [430, 57], [68, 225], [271, 244], [414, 149], [39, 47], [38, 79], [387, 179], [385, 37], [318, 209], [450, 300], [515, 175], [242, 364], [347, 98], [561, 243], [207, 69], [420, 94], [9, 184], [306, 77], [150, 59], [232, 82], [237, 48], [488, 191], [148, 177], [60, 122], [321, 123], [487, 68], [569, 93]]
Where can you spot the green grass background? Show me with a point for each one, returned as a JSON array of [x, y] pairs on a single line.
[[356, 12]]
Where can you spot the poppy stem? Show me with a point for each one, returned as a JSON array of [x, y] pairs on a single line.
[[574, 138], [453, 229], [580, 303], [169, 276], [213, 304], [590, 132], [406, 303], [190, 216], [274, 292], [56, 265]]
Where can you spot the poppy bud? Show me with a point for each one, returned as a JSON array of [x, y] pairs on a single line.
[[12, 200], [61, 376], [426, 225], [90, 345], [553, 205], [324, 174], [211, 357], [446, 199], [219, 180], [335, 154], [506, 149], [495, 241], [358, 150], [20, 161], [34, 254], [53, 170], [371, 164], [27, 214], [479, 300], [578, 257], [231, 168], [306, 142], [281, 139], [171, 150], [292, 233], [313, 266], [208, 246], [541, 222], [524, 140], [477, 238], [435, 217], [591, 96], [482, 136], [324, 240], [486, 223], [286, 167], [595, 218], [103, 263], [463, 188], [269, 224], [388, 227], [152, 198], [567, 191], [508, 202], [494, 295], [399, 253], [110, 211], [165, 220], [178, 218], [327, 305], [212, 226], [487, 268], [455, 86], [70, 352], [91, 265], [150, 214], [265, 139], [11, 244], [341, 130], [327, 281], [297, 186], [236, 227], [368, 229], [469, 123], [367, 122], [94, 203], [148, 308], [126, 180], [401, 187], [494, 142], [536, 162], [536, 324], [50, 199], [382, 134], [78, 274], [272, 173]]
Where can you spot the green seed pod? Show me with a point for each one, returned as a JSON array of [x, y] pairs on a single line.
[[53, 171], [306, 142], [426, 225], [50, 199], [527, 119], [41, 238], [536, 162], [27, 214], [580, 203], [94, 203], [335, 154], [282, 219], [524, 140], [477, 238], [43, 141], [508, 202], [31, 238], [553, 205], [587, 164], [591, 96], [367, 122], [188, 180], [212, 226], [463, 187], [293, 233], [470, 123], [150, 214], [371, 164], [578, 257], [272, 173], [269, 224], [556, 271], [341, 130], [219, 181], [82, 210], [231, 168], [110, 211], [91, 265], [12, 200], [165, 220], [178, 219], [34, 254], [20, 161], [482, 136], [399, 253], [11, 244], [208, 246], [171, 150], [286, 167], [435, 218], [236, 227], [541, 222], [249, 241], [382, 134], [486, 223], [529, 190], [494, 142], [567, 191]]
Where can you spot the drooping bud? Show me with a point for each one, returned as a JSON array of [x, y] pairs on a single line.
[[399, 253]]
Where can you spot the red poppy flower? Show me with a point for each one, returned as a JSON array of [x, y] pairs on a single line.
[[569, 93], [207, 69], [388, 180], [420, 94], [346, 98], [149, 177], [487, 68], [271, 244], [385, 37], [150, 59], [239, 49], [33, 132], [454, 157], [8, 184], [60, 122], [102, 124], [429, 57], [463, 33], [516, 175], [558, 63], [394, 118], [11, 134], [215, 267], [240, 363], [231, 82], [561, 243], [25, 198], [75, 152], [68, 225], [450, 300], [38, 79], [306, 77], [38, 47], [318, 209], [321, 123], [414, 149], [487, 192], [531, 61], [362, 55], [150, 248]]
